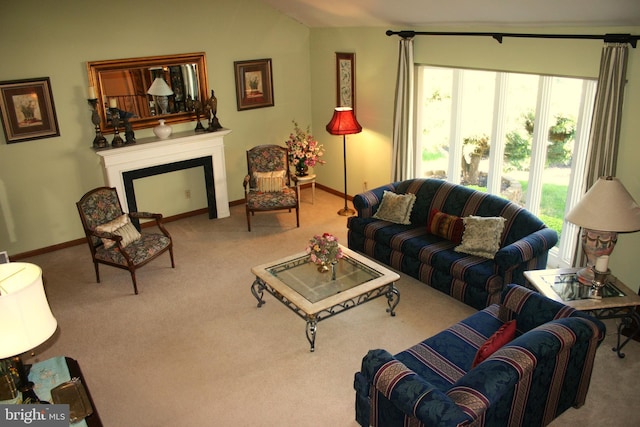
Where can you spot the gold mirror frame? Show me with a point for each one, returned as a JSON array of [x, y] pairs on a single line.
[[100, 71]]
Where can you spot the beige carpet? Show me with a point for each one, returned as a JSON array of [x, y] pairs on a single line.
[[192, 349]]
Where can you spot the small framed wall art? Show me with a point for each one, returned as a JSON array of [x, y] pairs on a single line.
[[346, 80], [254, 84], [28, 111]]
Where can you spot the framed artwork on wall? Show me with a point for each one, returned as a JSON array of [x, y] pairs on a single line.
[[346, 80], [28, 111], [254, 84]]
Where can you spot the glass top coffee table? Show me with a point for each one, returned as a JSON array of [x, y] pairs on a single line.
[[617, 302], [296, 282]]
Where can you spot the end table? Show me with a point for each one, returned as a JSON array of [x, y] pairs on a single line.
[[617, 302], [301, 180]]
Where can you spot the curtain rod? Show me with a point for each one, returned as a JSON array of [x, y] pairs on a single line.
[[608, 38]]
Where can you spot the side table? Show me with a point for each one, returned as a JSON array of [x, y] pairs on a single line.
[[301, 180], [617, 302], [47, 383]]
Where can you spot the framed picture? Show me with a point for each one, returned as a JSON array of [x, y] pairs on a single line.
[[4, 257], [254, 84], [28, 111], [346, 80]]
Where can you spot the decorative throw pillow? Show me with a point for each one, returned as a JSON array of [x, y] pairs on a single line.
[[447, 226], [499, 338], [481, 235], [269, 182], [396, 207], [120, 226]]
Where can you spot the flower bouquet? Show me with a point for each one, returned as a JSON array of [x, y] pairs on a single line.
[[324, 250], [304, 150]]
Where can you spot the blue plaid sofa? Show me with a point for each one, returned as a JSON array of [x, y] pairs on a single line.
[[529, 381], [474, 280]]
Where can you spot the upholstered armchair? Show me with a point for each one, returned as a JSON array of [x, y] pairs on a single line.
[[114, 240], [267, 184], [540, 372]]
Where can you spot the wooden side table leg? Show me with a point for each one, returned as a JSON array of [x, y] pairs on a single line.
[[298, 190], [313, 192]]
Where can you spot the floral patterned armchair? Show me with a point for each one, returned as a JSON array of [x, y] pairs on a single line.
[[112, 237], [267, 184]]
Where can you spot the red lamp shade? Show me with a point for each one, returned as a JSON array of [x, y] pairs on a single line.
[[343, 122]]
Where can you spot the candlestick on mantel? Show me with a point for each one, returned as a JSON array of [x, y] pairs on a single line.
[[91, 92], [113, 103], [99, 141]]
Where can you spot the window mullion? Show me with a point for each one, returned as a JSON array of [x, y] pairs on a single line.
[[455, 137], [496, 154], [539, 144], [578, 166]]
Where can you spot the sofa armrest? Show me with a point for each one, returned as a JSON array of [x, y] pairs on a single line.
[[409, 392], [531, 309], [556, 355], [526, 249], [367, 203]]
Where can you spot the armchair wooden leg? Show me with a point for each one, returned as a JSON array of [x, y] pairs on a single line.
[[95, 265], [249, 220], [173, 265], [133, 279]]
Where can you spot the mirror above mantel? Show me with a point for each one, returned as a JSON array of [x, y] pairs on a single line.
[[125, 83]]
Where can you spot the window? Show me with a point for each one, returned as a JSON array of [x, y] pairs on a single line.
[[521, 136]]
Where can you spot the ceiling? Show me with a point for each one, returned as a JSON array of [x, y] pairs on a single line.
[[403, 14]]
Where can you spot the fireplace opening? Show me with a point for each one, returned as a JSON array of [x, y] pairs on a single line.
[[206, 163]]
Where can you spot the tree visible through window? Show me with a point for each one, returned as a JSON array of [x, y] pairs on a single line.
[[521, 136]]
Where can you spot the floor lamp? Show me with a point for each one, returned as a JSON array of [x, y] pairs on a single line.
[[344, 123]]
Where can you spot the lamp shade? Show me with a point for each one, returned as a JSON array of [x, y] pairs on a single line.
[[607, 206], [159, 88], [343, 122], [26, 320]]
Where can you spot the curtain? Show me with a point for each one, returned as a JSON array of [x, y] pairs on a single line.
[[602, 152], [403, 139]]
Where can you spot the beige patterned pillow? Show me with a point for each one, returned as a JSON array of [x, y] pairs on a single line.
[[396, 207], [269, 182], [120, 226], [481, 236]]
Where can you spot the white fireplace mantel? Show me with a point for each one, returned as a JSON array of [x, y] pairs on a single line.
[[183, 146]]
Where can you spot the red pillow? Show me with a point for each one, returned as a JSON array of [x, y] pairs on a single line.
[[447, 226], [495, 341]]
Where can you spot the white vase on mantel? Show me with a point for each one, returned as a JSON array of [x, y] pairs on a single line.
[[162, 131]]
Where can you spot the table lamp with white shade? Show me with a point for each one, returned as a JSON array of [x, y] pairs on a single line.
[[604, 211], [26, 320], [161, 90]]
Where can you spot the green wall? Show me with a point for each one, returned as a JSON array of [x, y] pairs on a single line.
[[41, 180], [369, 153]]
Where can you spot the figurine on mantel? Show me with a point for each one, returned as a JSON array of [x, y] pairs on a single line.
[[130, 136], [195, 105], [212, 110]]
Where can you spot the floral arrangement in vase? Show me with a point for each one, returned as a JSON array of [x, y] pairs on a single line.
[[324, 250], [304, 150]]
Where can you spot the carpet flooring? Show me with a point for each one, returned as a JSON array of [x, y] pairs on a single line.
[[192, 349]]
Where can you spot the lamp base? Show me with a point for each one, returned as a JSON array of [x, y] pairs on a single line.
[[346, 212], [585, 276]]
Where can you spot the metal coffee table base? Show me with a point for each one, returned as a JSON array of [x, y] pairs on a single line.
[[388, 290]]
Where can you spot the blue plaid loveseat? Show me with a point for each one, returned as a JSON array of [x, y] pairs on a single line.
[[529, 381], [476, 281]]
